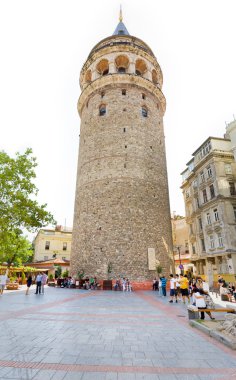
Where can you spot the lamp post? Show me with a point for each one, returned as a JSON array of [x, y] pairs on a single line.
[[180, 263]]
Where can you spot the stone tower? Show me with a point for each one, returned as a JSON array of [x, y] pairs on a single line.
[[122, 221]]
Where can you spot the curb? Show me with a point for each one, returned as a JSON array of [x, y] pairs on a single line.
[[214, 334]]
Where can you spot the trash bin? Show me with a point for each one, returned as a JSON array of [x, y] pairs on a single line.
[[193, 314]]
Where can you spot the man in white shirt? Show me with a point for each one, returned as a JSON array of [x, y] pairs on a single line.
[[3, 281], [38, 283], [173, 292]]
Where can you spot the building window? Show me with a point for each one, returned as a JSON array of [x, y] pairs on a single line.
[[204, 194], [234, 207], [202, 177], [209, 172], [212, 191], [232, 188], [123, 92], [208, 218], [197, 202], [195, 184], [47, 245], [220, 240], [212, 243], [228, 169], [216, 214], [143, 96], [102, 110], [200, 223], [103, 67], [144, 112], [64, 246], [203, 245]]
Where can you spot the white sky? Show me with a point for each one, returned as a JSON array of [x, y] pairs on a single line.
[[43, 45]]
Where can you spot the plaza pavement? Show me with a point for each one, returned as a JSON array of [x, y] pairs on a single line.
[[75, 334]]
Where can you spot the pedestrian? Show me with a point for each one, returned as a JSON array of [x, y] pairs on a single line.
[[44, 281], [28, 283], [184, 287], [38, 283], [199, 301], [160, 287], [123, 284], [173, 291], [163, 282], [177, 287], [3, 281]]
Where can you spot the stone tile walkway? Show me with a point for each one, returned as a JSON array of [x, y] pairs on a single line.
[[74, 334]]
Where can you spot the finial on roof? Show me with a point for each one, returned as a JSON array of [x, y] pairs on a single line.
[[121, 16]]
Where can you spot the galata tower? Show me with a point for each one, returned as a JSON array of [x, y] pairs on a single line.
[[122, 224]]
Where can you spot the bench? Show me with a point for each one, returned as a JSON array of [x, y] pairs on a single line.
[[195, 314]]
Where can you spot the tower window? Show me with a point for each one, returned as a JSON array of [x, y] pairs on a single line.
[[143, 96], [137, 72], [125, 146], [121, 70], [125, 166], [102, 94], [154, 76], [124, 130], [123, 92], [144, 112], [150, 147], [140, 67], [103, 67], [102, 110]]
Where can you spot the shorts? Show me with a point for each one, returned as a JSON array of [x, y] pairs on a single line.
[[2, 287], [173, 292], [184, 292]]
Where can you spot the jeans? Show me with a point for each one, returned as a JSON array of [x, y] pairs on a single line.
[[164, 291]]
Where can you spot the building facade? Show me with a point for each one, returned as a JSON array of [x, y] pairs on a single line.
[[209, 189], [50, 244], [122, 217], [181, 245]]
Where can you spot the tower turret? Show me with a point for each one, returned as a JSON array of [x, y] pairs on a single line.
[[122, 218]]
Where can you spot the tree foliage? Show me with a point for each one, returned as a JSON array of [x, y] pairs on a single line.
[[19, 209], [14, 248], [18, 205]]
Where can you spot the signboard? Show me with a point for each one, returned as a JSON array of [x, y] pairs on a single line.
[[151, 259], [181, 266]]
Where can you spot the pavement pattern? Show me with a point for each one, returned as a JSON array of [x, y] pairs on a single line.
[[75, 334]]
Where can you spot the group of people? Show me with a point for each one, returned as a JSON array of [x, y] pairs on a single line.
[[123, 284], [90, 283], [41, 281], [227, 290], [194, 291]]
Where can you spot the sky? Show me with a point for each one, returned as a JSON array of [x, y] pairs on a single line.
[[43, 47]]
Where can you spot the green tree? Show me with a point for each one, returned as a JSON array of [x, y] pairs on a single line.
[[18, 205], [19, 209], [14, 248]]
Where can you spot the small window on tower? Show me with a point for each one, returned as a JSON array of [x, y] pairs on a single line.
[[121, 70], [102, 110], [137, 72], [143, 96], [123, 92], [102, 94], [144, 112]]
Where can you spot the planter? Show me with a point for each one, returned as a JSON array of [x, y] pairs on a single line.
[[12, 286]]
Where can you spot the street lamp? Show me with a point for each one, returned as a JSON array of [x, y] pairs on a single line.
[[180, 263]]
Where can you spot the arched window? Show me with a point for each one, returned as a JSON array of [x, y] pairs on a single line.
[[103, 67], [154, 76], [102, 110], [88, 76], [122, 63], [140, 67], [144, 111]]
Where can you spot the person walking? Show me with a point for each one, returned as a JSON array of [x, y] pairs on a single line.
[[38, 283], [3, 281], [177, 287], [44, 281], [184, 287], [163, 282], [160, 287], [28, 283], [173, 291]]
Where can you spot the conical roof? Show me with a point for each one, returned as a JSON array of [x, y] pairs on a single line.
[[121, 29]]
